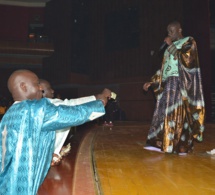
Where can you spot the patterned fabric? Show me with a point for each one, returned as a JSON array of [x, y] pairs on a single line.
[[27, 140], [62, 134], [170, 63], [179, 114]]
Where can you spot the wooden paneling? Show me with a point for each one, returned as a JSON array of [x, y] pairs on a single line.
[[137, 105], [130, 62], [119, 67], [58, 27]]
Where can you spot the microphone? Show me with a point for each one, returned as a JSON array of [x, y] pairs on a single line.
[[162, 46]]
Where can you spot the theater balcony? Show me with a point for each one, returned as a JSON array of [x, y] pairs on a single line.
[[23, 54]]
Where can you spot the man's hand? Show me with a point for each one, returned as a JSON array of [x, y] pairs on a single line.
[[168, 40], [146, 86], [107, 93], [104, 96]]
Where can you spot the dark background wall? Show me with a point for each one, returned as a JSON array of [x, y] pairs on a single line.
[[114, 43]]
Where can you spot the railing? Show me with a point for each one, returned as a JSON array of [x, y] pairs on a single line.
[[23, 53], [28, 48]]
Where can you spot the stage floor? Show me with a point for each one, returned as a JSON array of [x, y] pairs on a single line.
[[112, 161]]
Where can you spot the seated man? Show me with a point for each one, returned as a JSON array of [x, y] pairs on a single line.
[[27, 132], [61, 135]]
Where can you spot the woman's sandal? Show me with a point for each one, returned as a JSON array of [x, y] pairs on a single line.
[[65, 150], [56, 159]]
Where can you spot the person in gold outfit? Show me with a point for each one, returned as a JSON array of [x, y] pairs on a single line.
[[179, 113]]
